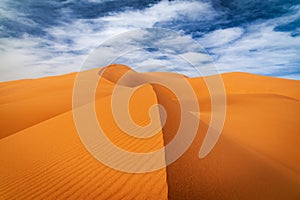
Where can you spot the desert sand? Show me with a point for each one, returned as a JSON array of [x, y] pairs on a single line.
[[256, 156]]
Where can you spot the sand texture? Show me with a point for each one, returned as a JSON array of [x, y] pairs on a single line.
[[256, 157]]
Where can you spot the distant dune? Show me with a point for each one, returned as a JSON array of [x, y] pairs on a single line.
[[256, 157]]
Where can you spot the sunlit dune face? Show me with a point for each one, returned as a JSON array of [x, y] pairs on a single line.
[[256, 156]]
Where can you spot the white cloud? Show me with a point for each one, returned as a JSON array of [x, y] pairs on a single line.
[[221, 37], [261, 50], [39, 57], [254, 48]]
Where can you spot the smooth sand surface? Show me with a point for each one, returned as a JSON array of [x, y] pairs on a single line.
[[256, 157]]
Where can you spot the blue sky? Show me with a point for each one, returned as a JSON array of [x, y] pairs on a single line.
[[44, 38]]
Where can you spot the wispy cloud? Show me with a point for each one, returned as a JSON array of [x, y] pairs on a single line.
[[257, 48], [64, 44]]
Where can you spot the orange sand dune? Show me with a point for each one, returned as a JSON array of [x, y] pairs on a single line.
[[256, 157], [48, 161], [243, 83]]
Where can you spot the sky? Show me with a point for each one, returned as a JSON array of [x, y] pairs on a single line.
[[53, 37]]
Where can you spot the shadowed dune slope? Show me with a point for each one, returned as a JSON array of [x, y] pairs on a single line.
[[256, 157]]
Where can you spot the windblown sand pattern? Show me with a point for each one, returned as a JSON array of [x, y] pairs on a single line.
[[256, 157]]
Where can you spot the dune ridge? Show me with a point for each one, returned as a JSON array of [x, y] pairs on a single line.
[[256, 157], [47, 160]]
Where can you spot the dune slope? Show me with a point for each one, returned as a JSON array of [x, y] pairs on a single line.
[[48, 161], [256, 157]]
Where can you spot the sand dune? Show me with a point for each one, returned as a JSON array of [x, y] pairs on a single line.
[[256, 157], [48, 161]]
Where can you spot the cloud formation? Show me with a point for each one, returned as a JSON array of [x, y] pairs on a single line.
[[41, 46]]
